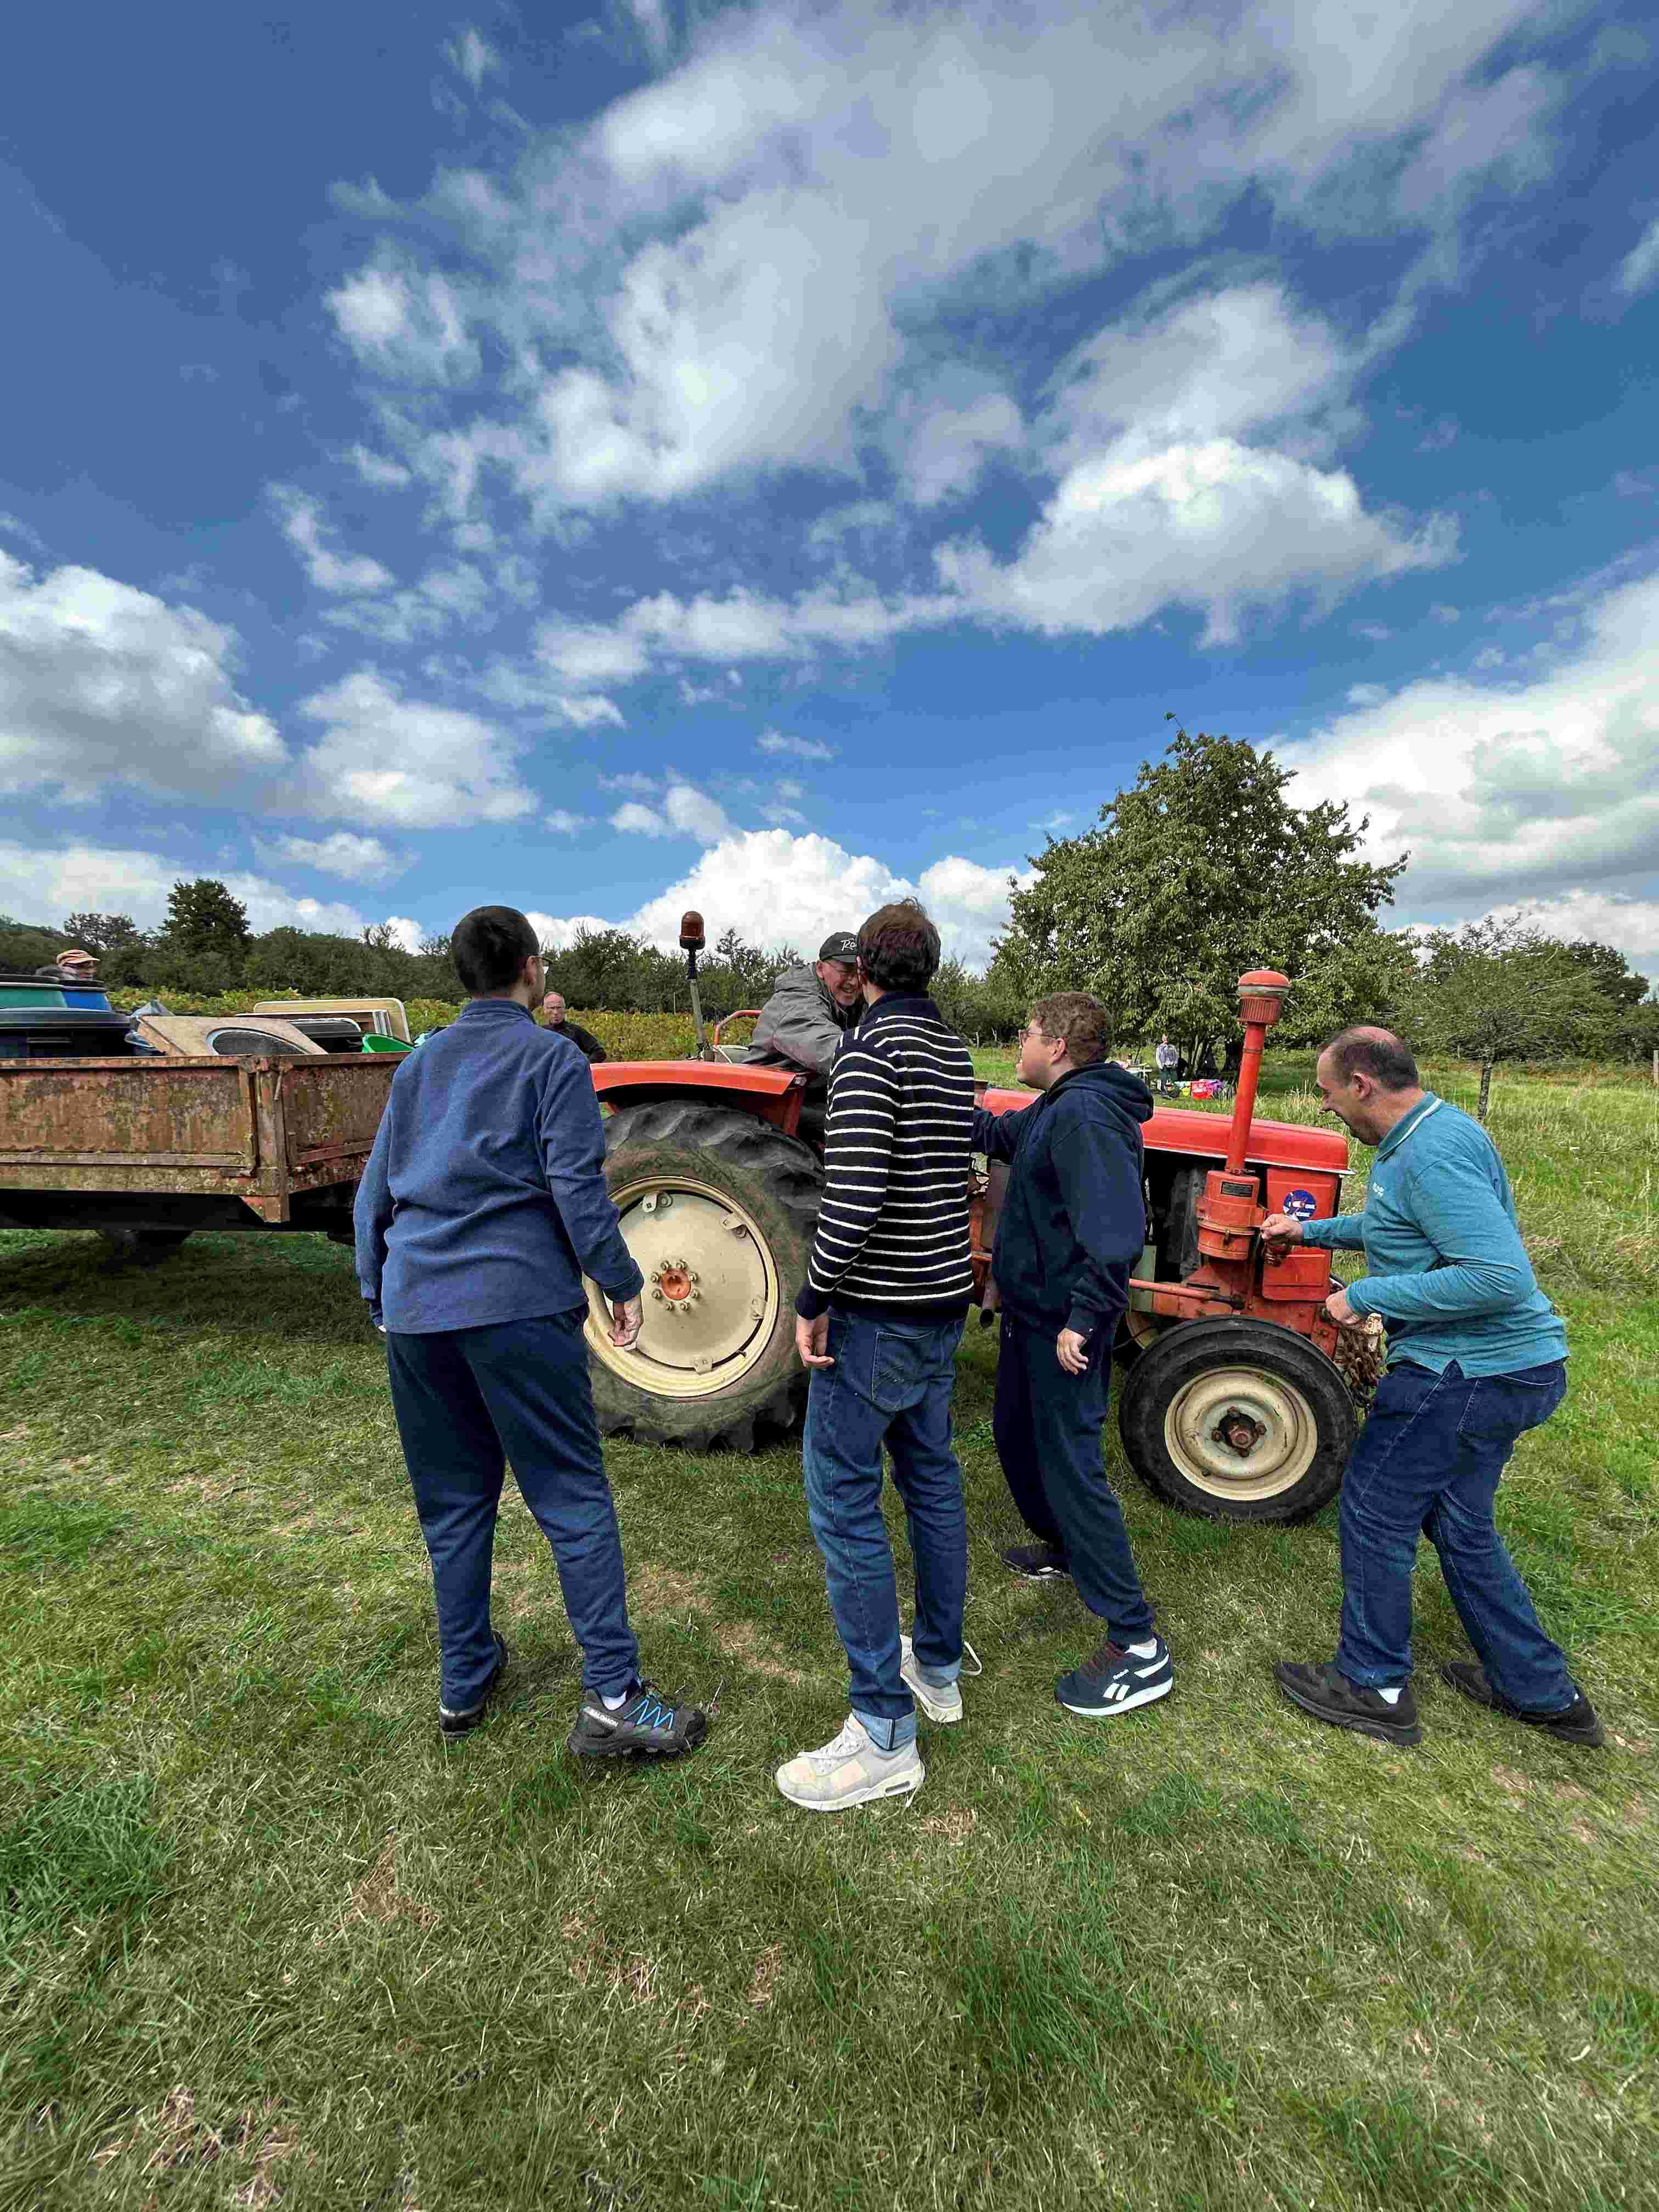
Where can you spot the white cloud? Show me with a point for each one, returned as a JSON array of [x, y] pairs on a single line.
[[376, 469], [1641, 264], [585, 654], [777, 887], [636, 820], [387, 759], [44, 884], [737, 266], [1520, 789], [102, 684], [558, 932], [685, 811], [405, 324], [1219, 527], [563, 823], [807, 749], [362, 859], [408, 933], [307, 531], [473, 57], [14, 527]]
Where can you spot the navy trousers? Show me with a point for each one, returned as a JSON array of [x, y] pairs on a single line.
[[1048, 1424], [469, 1399]]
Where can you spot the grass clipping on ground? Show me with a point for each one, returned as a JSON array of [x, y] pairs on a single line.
[[268, 1941]]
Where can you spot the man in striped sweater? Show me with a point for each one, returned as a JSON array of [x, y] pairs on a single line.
[[879, 1320]]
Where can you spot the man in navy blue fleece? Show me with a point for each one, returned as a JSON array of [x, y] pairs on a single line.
[[483, 1207], [1072, 1224], [1477, 1356]]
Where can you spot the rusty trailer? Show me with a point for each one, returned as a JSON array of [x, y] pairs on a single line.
[[171, 1145]]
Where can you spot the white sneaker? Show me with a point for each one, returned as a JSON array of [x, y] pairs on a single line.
[[851, 1770], [940, 1701]]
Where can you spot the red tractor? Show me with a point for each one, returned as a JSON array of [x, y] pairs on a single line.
[[1233, 1405]]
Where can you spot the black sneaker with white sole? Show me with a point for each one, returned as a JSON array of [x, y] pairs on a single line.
[[647, 1725], [1332, 1697], [1574, 1723], [455, 1722], [1116, 1682], [1038, 1563]]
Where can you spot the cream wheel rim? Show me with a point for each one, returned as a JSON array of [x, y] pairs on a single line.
[[1239, 1433], [712, 1295]]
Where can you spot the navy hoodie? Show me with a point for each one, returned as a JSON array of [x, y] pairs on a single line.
[[1074, 1219]]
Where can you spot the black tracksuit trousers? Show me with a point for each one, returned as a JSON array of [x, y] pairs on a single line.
[[1047, 1426]]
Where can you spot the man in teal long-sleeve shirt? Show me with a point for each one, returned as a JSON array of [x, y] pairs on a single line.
[[1477, 1355]]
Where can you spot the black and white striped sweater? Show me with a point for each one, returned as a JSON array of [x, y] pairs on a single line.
[[892, 1236]]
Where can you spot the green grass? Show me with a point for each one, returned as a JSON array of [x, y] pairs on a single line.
[[267, 1941]]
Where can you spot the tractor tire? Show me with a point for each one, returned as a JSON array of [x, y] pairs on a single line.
[[718, 1209], [1292, 1420], [143, 1248]]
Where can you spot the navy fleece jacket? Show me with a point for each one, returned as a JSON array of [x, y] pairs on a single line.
[[484, 1199], [1074, 1220]]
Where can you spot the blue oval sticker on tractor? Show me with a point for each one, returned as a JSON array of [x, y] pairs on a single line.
[[1300, 1204]]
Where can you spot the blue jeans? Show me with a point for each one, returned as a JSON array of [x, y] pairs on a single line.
[[892, 1384], [467, 1400], [1428, 1461]]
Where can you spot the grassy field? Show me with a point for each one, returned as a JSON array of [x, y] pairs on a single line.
[[268, 1942]]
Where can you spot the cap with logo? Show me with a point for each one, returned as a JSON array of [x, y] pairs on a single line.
[[840, 944]]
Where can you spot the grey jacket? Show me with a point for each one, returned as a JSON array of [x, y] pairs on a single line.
[[800, 1024]]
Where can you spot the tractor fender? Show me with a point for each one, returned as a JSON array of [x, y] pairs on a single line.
[[770, 1094]]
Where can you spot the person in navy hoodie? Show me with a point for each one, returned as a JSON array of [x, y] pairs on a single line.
[[483, 1207], [1072, 1224]]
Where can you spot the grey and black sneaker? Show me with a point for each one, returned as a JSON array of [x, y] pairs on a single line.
[[456, 1721], [1575, 1724], [1116, 1682], [1038, 1563], [647, 1725], [1329, 1696]]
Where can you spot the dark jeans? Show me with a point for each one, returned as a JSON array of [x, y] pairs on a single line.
[[1428, 1461], [1046, 1424], [892, 1384], [466, 1400]]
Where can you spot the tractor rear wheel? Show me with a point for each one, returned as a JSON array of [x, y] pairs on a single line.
[[719, 1209], [1237, 1420]]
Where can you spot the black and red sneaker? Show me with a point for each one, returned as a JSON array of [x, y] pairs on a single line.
[[647, 1725]]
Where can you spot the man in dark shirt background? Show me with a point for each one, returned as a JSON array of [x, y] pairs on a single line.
[[584, 1040], [483, 1207]]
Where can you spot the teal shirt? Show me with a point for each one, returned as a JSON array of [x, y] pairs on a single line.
[[1446, 1266]]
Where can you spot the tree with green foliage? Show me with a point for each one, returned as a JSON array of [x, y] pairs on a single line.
[[1499, 989], [1609, 971], [102, 932], [205, 918], [1202, 869]]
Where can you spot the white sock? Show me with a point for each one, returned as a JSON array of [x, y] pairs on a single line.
[[614, 1704], [1142, 1651], [1390, 1696]]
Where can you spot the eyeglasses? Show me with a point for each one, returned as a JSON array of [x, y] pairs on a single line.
[[1032, 1030]]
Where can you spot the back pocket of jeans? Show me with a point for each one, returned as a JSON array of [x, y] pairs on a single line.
[[1501, 1408], [903, 1370]]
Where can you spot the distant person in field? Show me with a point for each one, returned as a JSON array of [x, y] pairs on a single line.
[[554, 1017], [73, 966], [483, 1207], [1072, 1226], [1168, 1056], [1477, 1356]]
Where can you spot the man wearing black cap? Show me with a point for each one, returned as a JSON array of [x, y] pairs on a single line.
[[809, 1012]]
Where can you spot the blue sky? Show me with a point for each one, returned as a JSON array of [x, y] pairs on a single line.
[[761, 456]]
